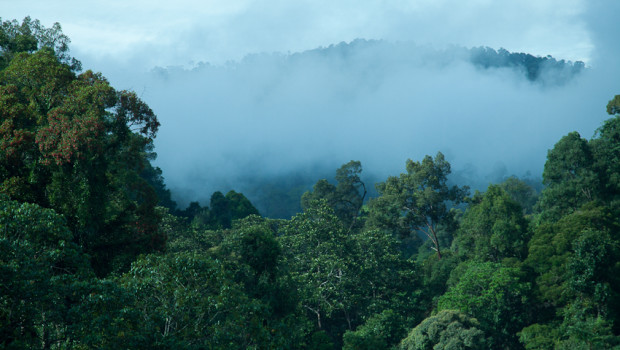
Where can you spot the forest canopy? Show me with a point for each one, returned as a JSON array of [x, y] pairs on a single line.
[[94, 253]]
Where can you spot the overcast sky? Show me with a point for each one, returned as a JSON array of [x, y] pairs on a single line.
[[263, 115], [184, 31]]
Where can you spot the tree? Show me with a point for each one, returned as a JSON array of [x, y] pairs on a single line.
[[537, 336], [223, 211], [569, 176], [447, 330], [606, 150], [73, 143], [240, 206], [191, 302], [345, 198], [30, 36], [496, 296], [252, 244], [251, 251], [552, 248], [344, 278], [315, 245], [39, 266], [521, 192], [419, 199], [380, 332], [613, 107], [493, 228]]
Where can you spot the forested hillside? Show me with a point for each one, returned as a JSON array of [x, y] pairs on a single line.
[[94, 253]]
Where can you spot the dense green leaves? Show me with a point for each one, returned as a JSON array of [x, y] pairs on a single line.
[[418, 201], [346, 198], [38, 267], [30, 36], [77, 189], [448, 330], [496, 296], [67, 143], [344, 278], [493, 228], [570, 177], [190, 302]]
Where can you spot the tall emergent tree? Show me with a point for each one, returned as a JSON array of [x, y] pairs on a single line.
[[346, 197], [70, 142], [418, 201]]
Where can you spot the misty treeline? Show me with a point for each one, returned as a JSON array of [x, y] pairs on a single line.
[[545, 70], [95, 254], [271, 124]]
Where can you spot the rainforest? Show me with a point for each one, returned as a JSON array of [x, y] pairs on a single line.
[[97, 251]]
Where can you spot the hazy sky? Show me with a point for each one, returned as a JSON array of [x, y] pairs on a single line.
[[178, 32], [265, 114]]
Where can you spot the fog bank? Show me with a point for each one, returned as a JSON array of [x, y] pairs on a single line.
[[231, 126]]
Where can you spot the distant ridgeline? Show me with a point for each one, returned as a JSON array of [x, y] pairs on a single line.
[[546, 70], [532, 66]]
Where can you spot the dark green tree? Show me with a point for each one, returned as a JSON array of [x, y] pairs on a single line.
[[569, 176], [73, 143], [345, 198], [190, 302], [221, 213], [380, 332], [39, 267], [493, 228], [30, 36], [606, 150], [522, 192], [344, 278], [496, 296], [240, 207], [447, 330], [418, 201]]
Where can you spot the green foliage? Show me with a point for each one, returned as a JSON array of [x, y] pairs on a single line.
[[539, 337], [584, 329], [521, 192], [436, 273], [345, 198], [493, 228], [551, 249], [76, 145], [153, 176], [613, 107], [344, 278], [448, 330], [38, 267], [222, 212], [380, 331], [240, 207], [104, 316], [593, 266], [606, 149], [30, 36], [252, 243], [190, 302], [422, 195], [569, 176], [316, 247], [493, 294]]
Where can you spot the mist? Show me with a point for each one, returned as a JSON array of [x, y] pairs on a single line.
[[232, 126], [266, 93]]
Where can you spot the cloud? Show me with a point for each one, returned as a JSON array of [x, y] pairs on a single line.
[[257, 107], [179, 32], [224, 126]]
